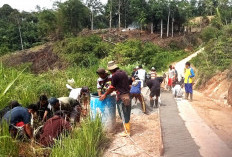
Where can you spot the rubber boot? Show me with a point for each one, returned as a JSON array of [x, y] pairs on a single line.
[[127, 130], [191, 97], [151, 103], [156, 103]]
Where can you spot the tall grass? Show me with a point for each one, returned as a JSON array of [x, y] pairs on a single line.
[[27, 88], [86, 141], [8, 146]]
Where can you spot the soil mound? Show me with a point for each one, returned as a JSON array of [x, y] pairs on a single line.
[[217, 88], [41, 58], [229, 99]]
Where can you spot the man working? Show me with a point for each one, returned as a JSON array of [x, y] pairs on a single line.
[[12, 105], [153, 73], [154, 86], [53, 128], [44, 112], [21, 117], [103, 82], [120, 83], [141, 73], [82, 95], [69, 105], [189, 74]]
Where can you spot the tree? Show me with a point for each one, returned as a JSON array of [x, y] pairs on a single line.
[[72, 17], [47, 22], [95, 7], [161, 13]]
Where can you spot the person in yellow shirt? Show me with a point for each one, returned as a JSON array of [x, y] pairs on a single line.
[[189, 74]]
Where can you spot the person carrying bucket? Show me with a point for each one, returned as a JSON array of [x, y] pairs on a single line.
[[120, 83], [103, 82]]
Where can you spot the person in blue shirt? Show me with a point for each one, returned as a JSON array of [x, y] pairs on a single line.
[[20, 116], [135, 92]]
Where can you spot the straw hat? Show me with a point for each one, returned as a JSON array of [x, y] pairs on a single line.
[[112, 65]]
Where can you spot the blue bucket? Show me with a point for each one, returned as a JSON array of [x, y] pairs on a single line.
[[106, 109]]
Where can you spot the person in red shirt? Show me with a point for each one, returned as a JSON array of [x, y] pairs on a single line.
[[53, 128], [120, 83]]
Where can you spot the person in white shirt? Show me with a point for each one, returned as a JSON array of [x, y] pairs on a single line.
[[177, 91], [141, 74]]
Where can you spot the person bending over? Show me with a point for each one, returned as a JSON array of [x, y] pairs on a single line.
[[20, 117], [120, 83], [154, 86]]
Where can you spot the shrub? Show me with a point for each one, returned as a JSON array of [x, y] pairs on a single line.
[[209, 33], [83, 51]]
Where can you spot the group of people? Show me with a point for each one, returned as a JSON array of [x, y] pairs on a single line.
[[128, 88], [187, 81], [56, 115]]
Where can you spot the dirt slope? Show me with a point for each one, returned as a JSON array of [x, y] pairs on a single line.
[[41, 58], [178, 41], [217, 88]]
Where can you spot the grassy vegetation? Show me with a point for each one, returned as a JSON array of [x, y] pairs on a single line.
[[217, 55], [86, 141], [91, 50], [9, 146]]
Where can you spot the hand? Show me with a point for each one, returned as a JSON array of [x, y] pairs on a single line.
[[102, 97]]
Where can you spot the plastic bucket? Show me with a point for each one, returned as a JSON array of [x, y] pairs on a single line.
[[106, 109]]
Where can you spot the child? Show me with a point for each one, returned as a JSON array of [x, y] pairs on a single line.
[[136, 92]]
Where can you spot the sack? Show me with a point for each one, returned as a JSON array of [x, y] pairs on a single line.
[[125, 99]]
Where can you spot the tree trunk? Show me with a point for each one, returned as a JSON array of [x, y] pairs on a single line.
[[125, 16], [20, 34], [161, 29], [92, 21], [168, 21], [110, 14], [152, 28], [172, 26], [119, 14]]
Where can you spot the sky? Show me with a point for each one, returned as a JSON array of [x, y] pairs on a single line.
[[30, 5]]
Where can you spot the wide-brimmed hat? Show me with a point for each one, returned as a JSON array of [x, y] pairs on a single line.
[[112, 65]]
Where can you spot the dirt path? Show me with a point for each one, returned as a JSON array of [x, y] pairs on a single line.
[[180, 65], [145, 132], [209, 124], [217, 117]]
